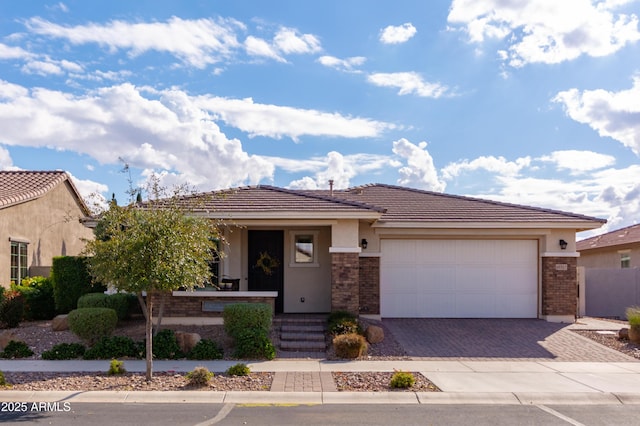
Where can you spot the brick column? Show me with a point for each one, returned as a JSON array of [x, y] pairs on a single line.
[[370, 285], [559, 287], [345, 291]]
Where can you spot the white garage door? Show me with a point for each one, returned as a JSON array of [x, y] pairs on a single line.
[[459, 279]]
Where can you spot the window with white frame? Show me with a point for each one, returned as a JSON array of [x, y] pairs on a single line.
[[18, 261], [625, 258], [304, 247]]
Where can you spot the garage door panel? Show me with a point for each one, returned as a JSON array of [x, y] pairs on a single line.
[[459, 278]]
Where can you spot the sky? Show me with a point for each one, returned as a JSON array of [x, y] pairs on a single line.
[[533, 102]]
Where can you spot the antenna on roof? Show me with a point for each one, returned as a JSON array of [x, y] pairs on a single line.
[[331, 187]]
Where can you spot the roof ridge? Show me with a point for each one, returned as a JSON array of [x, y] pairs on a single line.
[[310, 194]]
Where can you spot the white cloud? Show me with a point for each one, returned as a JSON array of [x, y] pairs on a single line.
[[397, 34], [498, 165], [9, 52], [288, 41], [418, 170], [408, 83], [278, 121], [578, 162], [258, 47], [346, 65], [5, 159], [612, 114], [197, 42], [548, 31]]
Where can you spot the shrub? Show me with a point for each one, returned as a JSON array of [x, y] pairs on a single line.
[[11, 309], [244, 316], [64, 351], [633, 316], [254, 343], [38, 298], [238, 370], [350, 345], [116, 367], [3, 381], [206, 349], [113, 347], [16, 349], [402, 380], [119, 302], [200, 376], [342, 322], [92, 324], [165, 346], [71, 279]]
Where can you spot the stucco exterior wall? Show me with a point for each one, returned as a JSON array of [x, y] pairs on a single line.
[[51, 227], [608, 258]]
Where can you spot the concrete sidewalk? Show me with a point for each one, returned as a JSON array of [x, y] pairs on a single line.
[[461, 382]]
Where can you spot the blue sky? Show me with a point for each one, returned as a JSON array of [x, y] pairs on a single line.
[[531, 102]]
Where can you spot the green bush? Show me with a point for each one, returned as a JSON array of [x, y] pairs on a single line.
[[402, 380], [239, 370], [119, 302], [342, 322], [92, 324], [16, 349], [254, 343], [114, 347], [71, 279], [200, 376], [206, 349], [350, 346], [64, 351], [244, 316], [3, 381], [116, 368], [38, 298], [633, 316], [11, 309], [165, 346]]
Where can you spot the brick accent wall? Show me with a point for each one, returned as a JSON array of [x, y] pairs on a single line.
[[369, 285], [185, 306], [345, 292], [559, 285]]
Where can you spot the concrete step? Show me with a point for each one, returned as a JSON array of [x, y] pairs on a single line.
[[303, 336], [287, 328], [300, 321], [303, 346]]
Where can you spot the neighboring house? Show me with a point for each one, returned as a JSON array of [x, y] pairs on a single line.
[[389, 251], [40, 217], [616, 249]]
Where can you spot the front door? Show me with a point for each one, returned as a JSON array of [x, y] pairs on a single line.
[[266, 259]]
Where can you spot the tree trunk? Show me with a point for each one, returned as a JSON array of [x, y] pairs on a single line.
[[149, 333]]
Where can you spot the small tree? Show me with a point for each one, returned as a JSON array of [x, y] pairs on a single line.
[[153, 247]]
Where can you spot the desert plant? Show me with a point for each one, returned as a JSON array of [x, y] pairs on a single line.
[[239, 317], [342, 322], [16, 349], [64, 351], [254, 343], [239, 369], [11, 309], [206, 349], [3, 380], [92, 324], [350, 345], [633, 316], [38, 298], [113, 347], [116, 368], [402, 380], [199, 376], [119, 302]]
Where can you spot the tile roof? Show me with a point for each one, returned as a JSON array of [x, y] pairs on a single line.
[[21, 186], [619, 237]]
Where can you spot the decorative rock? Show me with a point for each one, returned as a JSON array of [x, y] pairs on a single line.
[[60, 323], [623, 333], [5, 337], [187, 341], [374, 334]]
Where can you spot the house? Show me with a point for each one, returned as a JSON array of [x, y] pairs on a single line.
[[616, 249], [389, 251], [40, 217]]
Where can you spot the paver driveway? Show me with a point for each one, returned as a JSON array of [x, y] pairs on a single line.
[[496, 339]]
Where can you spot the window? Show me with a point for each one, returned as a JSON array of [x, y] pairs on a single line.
[[304, 248], [625, 259], [18, 261]]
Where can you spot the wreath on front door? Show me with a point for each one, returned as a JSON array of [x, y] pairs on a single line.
[[267, 263]]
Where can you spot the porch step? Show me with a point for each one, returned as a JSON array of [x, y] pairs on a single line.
[[302, 329], [302, 334], [305, 337], [305, 346]]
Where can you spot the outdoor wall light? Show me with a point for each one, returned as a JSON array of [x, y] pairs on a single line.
[[563, 244], [364, 243]]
